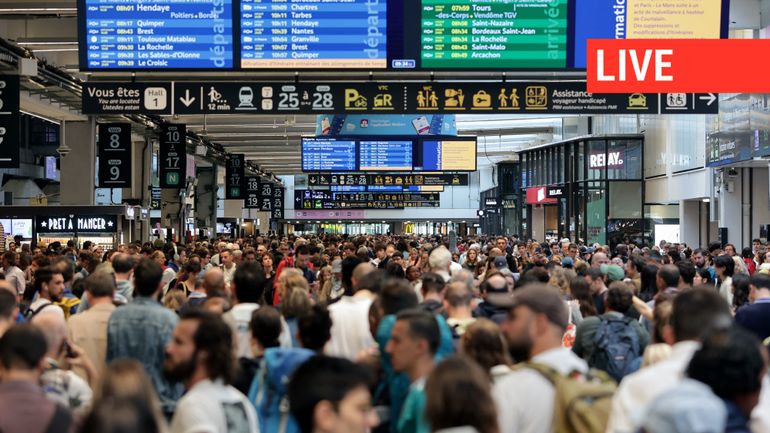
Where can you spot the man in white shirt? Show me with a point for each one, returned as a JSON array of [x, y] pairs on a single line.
[[534, 328], [694, 313], [49, 284], [247, 288], [350, 333], [200, 356], [228, 266]]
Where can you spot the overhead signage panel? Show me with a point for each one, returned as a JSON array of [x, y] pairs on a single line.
[[308, 199], [173, 155], [126, 98], [114, 145], [9, 121], [387, 179], [157, 35], [360, 98]]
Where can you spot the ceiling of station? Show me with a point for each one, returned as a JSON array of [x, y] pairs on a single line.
[[48, 29]]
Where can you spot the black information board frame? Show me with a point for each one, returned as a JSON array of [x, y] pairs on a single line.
[[235, 176], [115, 161], [9, 121], [172, 155]]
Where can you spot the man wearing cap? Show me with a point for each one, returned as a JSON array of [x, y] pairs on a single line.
[[534, 327], [493, 289]]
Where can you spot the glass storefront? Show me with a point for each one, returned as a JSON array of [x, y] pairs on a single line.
[[599, 184]]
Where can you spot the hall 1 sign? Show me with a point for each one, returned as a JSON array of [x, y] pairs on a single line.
[[77, 224], [235, 177], [173, 155], [114, 144]]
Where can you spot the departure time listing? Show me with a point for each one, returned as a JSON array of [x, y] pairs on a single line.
[[493, 34], [301, 34], [159, 34]]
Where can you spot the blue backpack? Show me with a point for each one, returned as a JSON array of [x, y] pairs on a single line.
[[617, 349], [268, 389]]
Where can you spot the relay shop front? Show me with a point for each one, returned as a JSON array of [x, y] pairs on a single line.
[[589, 188]]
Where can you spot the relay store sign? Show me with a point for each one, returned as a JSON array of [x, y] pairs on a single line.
[[610, 160], [79, 224], [682, 65]]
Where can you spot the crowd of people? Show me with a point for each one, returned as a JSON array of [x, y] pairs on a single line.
[[384, 333]]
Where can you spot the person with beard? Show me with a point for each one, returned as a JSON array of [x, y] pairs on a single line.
[[49, 284], [534, 327], [200, 356]]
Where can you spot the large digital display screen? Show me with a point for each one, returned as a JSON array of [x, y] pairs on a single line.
[[494, 34], [156, 34], [370, 35], [328, 155], [314, 34], [387, 154]]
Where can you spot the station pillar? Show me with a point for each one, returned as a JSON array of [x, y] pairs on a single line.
[[206, 198], [78, 167]]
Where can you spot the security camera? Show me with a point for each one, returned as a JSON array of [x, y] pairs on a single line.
[[732, 172]]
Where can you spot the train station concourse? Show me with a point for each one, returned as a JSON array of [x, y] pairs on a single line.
[[388, 216]]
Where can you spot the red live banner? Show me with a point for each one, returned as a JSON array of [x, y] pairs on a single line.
[[680, 65]]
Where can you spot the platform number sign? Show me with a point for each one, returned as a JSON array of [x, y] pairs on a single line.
[[266, 196], [173, 156], [114, 144], [251, 201], [276, 212], [234, 176]]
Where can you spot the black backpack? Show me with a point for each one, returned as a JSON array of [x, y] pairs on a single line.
[[617, 349]]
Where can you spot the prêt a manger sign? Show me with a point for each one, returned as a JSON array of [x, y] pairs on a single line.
[[79, 224]]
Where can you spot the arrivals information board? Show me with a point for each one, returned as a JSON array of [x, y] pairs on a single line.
[[493, 34]]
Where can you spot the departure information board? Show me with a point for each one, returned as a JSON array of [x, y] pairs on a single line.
[[493, 34], [328, 154], [300, 34], [385, 156], [157, 34], [371, 35]]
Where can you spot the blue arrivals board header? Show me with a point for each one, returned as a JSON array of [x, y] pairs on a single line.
[[157, 34]]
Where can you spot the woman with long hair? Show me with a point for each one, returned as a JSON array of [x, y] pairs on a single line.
[[471, 259], [581, 292], [458, 394]]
